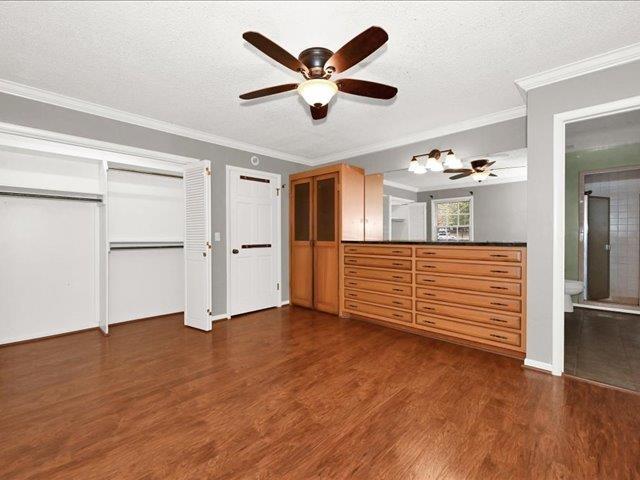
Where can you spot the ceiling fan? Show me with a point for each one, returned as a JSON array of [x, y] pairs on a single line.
[[317, 64], [480, 169]]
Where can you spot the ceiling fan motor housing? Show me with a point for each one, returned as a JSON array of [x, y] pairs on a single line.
[[314, 59]]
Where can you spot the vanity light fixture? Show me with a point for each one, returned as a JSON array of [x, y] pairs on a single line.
[[434, 162]]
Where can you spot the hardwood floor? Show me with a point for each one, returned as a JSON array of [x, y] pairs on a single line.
[[290, 393]]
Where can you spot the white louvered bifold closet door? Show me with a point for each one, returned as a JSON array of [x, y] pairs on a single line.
[[197, 245]]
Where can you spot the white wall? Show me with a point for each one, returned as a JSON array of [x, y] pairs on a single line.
[[48, 268]]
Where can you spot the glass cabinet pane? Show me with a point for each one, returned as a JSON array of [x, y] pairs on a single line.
[[302, 222], [325, 210]]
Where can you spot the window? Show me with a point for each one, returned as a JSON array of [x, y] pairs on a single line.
[[452, 219]]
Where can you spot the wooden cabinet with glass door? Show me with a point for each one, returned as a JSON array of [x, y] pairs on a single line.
[[326, 206]]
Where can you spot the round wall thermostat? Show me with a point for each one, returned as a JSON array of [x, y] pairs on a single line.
[[255, 161]]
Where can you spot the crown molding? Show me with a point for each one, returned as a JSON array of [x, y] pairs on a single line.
[[603, 61], [33, 139], [497, 117], [52, 98], [401, 186]]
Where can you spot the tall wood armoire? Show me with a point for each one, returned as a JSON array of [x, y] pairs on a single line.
[[326, 206]]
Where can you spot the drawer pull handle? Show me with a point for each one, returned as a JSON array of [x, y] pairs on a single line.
[[396, 264], [429, 253], [353, 306], [396, 251], [397, 315], [498, 320], [428, 280], [352, 284], [429, 322], [398, 290], [498, 304], [429, 266], [501, 337], [431, 309], [498, 288], [425, 294], [498, 255], [354, 295], [397, 277], [396, 302], [499, 271]]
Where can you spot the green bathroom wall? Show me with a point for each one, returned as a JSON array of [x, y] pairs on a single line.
[[581, 161]]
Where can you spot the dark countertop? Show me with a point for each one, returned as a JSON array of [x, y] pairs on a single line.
[[473, 244]]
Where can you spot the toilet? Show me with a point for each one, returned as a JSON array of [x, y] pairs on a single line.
[[571, 287]]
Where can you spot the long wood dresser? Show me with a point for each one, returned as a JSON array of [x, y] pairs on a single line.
[[472, 293]]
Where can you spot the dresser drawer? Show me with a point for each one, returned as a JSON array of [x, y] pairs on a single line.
[[364, 309], [457, 253], [491, 318], [378, 250], [489, 286], [394, 302], [403, 277], [479, 269], [395, 289], [396, 264], [493, 335], [495, 303]]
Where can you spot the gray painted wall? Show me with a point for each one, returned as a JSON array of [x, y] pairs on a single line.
[[600, 87], [400, 192], [48, 117], [499, 211]]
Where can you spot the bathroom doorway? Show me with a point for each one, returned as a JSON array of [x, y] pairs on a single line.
[[602, 250]]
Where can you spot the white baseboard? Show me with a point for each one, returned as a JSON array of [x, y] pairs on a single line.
[[222, 316], [286, 302], [539, 365], [606, 308]]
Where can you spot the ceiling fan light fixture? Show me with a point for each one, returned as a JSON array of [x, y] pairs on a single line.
[[451, 161], [479, 176], [318, 91]]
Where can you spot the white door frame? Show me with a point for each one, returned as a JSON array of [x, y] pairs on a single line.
[[277, 180], [559, 123]]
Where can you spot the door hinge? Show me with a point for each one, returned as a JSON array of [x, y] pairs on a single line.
[[278, 286], [209, 245], [209, 312], [207, 171]]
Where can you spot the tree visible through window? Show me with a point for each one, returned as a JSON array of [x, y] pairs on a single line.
[[452, 219]]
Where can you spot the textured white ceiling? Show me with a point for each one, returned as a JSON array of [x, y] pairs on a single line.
[[186, 62]]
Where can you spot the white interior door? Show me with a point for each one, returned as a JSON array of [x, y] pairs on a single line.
[[254, 240], [197, 245], [417, 221]]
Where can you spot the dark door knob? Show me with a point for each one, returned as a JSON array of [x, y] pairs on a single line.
[[235, 250]]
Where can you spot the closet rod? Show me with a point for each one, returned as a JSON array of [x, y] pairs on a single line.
[[51, 197], [144, 247], [145, 173]]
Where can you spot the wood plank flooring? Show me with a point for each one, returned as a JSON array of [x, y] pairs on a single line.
[[294, 394]]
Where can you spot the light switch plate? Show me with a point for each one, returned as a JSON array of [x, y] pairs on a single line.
[[216, 236]]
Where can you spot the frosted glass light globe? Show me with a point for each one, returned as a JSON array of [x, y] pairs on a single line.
[[318, 91]]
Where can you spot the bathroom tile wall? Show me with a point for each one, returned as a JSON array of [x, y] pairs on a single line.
[[624, 234]]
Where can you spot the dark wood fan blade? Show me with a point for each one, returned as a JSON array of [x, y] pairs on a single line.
[[269, 91], [479, 164], [457, 170], [493, 175], [357, 49], [274, 51], [460, 175], [318, 113], [366, 89]]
